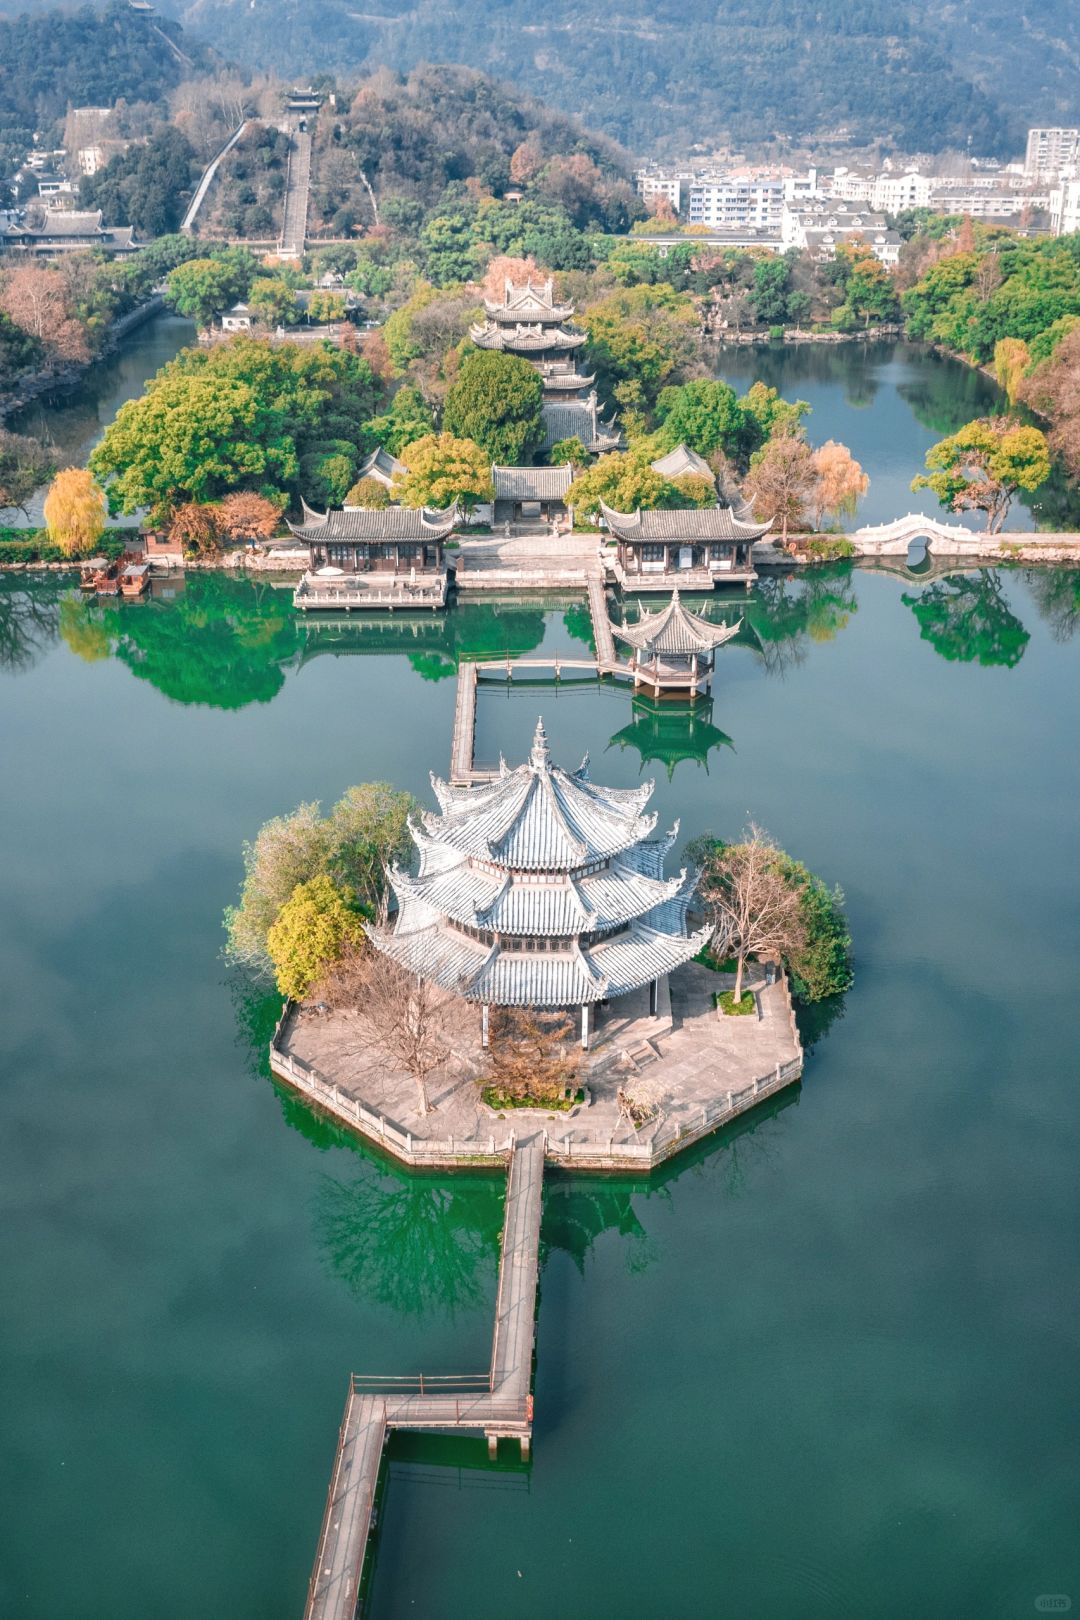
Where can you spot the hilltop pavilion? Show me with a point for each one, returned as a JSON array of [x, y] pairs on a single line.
[[674, 649], [541, 889], [528, 322]]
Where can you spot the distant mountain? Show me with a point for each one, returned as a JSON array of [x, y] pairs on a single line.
[[923, 76], [51, 60]]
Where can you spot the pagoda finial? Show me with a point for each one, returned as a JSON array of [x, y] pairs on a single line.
[[539, 755]]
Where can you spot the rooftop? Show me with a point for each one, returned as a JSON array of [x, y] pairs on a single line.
[[681, 461], [375, 523], [532, 483], [696, 523], [530, 303], [675, 631]]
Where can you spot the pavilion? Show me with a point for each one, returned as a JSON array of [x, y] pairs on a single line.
[[540, 889], [374, 557], [528, 322], [674, 649], [701, 547]]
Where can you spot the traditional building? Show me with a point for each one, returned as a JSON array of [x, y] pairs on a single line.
[[579, 419], [529, 323], [682, 462], [698, 548], [674, 649], [524, 493], [383, 467], [63, 231], [391, 556], [540, 889]]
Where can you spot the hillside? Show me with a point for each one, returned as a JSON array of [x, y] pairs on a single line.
[[52, 60], [921, 77]]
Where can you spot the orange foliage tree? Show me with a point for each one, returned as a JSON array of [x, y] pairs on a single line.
[[195, 527], [244, 515], [38, 301]]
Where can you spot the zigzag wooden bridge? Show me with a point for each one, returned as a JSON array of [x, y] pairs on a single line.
[[497, 1403]]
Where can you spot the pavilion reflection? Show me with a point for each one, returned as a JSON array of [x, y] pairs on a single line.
[[668, 731]]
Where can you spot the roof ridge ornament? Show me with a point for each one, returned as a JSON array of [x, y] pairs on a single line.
[[540, 755]]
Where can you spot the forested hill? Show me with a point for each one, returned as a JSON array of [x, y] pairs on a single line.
[[52, 60], [922, 73]]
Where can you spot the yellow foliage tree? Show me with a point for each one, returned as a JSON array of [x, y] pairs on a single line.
[[840, 481], [1011, 360], [75, 511], [313, 928]]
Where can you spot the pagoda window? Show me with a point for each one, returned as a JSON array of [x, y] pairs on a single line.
[[653, 556], [342, 556]]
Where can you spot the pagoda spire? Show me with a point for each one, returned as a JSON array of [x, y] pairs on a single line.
[[540, 756]]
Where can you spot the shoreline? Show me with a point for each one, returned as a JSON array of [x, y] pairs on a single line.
[[37, 383]]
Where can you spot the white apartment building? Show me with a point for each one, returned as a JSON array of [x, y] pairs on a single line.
[[1065, 208], [661, 184], [893, 193], [1049, 151], [982, 202], [851, 185], [736, 201]]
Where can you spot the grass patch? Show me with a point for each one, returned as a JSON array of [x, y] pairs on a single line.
[[725, 1000], [494, 1097], [714, 964]]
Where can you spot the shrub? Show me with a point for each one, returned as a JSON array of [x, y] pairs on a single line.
[[725, 1000]]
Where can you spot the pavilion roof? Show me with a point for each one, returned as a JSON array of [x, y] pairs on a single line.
[[539, 817], [381, 465], [682, 460], [675, 631], [696, 523], [532, 483], [578, 419], [524, 337], [375, 523], [535, 301]]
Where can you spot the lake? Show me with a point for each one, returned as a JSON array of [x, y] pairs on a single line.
[[888, 401], [824, 1366]]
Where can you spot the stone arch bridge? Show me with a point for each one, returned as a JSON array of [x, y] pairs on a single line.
[[945, 539]]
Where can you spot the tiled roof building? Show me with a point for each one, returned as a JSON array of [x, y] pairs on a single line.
[[541, 889]]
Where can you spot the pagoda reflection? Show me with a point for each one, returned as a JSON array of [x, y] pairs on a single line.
[[666, 733]]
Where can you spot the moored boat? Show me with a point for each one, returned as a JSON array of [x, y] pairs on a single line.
[[135, 579]]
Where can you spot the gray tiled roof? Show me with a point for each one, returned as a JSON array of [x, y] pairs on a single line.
[[376, 524], [532, 483], [578, 419], [680, 461], [524, 338], [698, 523], [675, 631], [530, 303], [381, 465], [477, 864]]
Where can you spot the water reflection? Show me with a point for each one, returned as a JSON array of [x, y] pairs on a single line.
[[669, 732], [1056, 593], [789, 611], [967, 619], [416, 1245], [29, 620]]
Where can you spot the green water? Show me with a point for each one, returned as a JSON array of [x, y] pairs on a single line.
[[826, 1366]]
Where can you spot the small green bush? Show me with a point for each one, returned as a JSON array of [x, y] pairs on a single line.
[[725, 1000], [34, 545], [830, 548], [495, 1097]]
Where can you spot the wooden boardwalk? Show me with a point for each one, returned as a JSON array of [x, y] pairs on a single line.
[[498, 1403], [463, 771]]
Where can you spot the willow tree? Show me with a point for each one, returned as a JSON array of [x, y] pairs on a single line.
[[75, 511]]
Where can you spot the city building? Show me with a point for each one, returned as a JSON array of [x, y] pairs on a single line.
[[820, 229], [1064, 205], [1049, 151], [541, 889]]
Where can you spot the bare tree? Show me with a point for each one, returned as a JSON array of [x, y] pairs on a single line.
[[752, 908], [533, 1054], [413, 1022]]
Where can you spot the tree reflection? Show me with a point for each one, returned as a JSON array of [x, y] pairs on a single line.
[[29, 621], [1056, 593], [577, 1212], [967, 619], [414, 1244], [223, 642], [787, 612]]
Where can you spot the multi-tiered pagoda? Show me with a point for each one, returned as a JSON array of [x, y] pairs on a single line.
[[528, 322], [541, 889]]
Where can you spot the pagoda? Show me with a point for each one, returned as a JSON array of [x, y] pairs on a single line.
[[529, 323], [540, 889], [673, 650]]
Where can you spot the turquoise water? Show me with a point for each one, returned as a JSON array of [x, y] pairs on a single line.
[[824, 1367]]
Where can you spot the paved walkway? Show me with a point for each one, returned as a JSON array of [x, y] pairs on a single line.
[[503, 1407]]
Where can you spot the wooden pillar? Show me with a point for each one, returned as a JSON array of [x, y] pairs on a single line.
[[653, 997], [484, 1033], [584, 1026], [526, 1446], [493, 1446]]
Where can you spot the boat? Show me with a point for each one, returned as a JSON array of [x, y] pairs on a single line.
[[89, 571], [135, 579], [107, 580]]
